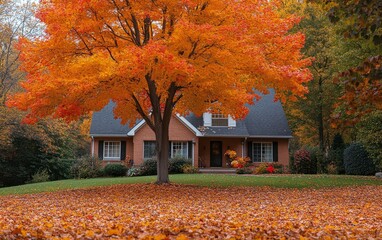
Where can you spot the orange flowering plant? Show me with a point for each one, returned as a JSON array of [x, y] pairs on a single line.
[[231, 156], [240, 162]]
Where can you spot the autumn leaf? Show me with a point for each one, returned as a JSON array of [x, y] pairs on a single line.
[[185, 212]]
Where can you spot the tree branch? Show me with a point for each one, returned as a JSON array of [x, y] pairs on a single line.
[[142, 113]]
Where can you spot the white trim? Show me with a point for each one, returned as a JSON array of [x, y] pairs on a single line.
[[231, 121], [193, 154], [136, 128], [189, 125], [207, 119]]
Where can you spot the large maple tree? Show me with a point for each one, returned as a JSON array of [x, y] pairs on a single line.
[[155, 58]]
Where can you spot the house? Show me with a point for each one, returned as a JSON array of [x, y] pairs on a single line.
[[263, 136]]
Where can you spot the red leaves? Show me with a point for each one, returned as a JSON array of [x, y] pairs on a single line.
[[181, 212]]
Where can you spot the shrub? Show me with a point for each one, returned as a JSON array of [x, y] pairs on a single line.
[[302, 161], [133, 171], [264, 168], [370, 136], [40, 176], [336, 154], [332, 169], [291, 166], [357, 161], [149, 167], [59, 168], [318, 162], [86, 167], [243, 171], [261, 169], [189, 169], [176, 164], [115, 170]]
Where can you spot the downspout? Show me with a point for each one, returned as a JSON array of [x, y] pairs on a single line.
[[193, 152], [92, 146], [242, 147]]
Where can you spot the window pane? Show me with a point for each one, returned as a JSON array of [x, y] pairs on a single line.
[[267, 152], [149, 149], [179, 149], [262, 152], [257, 152], [112, 149], [219, 120]]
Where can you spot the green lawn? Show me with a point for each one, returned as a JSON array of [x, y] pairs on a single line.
[[209, 180]]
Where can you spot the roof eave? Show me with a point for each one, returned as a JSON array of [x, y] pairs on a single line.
[[107, 135]]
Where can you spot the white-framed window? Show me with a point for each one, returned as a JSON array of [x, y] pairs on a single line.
[[262, 152], [149, 149], [179, 149], [112, 150], [219, 120]]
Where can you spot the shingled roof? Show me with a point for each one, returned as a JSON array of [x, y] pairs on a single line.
[[266, 118]]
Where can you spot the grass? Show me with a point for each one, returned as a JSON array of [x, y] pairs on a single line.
[[208, 180]]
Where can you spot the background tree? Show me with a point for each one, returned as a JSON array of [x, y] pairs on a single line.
[[362, 82], [309, 116], [50, 145], [156, 58]]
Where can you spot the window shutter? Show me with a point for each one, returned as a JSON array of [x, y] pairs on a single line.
[[231, 122], [249, 153], [100, 150], [275, 151], [190, 149], [123, 150], [169, 149], [207, 119]]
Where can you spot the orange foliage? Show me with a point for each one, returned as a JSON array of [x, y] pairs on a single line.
[[212, 54], [185, 212]]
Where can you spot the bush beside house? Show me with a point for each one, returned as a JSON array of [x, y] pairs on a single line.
[[357, 161]]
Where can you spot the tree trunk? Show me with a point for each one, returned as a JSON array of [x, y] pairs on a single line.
[[159, 122], [321, 116], [162, 150]]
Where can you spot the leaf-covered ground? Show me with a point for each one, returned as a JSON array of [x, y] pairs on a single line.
[[179, 212]]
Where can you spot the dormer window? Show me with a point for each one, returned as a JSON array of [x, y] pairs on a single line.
[[219, 120]]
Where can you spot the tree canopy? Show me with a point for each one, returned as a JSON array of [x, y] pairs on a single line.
[[153, 58]]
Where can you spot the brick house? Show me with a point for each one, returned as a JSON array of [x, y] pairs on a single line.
[[263, 136]]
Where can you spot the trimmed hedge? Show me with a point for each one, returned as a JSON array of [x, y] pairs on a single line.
[[115, 170]]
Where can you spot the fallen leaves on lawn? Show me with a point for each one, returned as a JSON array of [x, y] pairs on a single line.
[[185, 212]]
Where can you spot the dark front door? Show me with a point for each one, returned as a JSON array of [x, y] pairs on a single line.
[[216, 154]]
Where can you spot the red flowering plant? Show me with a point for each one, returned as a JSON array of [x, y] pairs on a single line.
[[270, 169]]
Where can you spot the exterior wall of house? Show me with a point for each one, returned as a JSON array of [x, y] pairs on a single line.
[[241, 148], [129, 147], [283, 151], [178, 132], [227, 143]]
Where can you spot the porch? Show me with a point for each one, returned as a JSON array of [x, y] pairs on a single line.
[[218, 170]]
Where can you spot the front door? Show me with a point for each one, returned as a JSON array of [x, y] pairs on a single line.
[[216, 154]]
